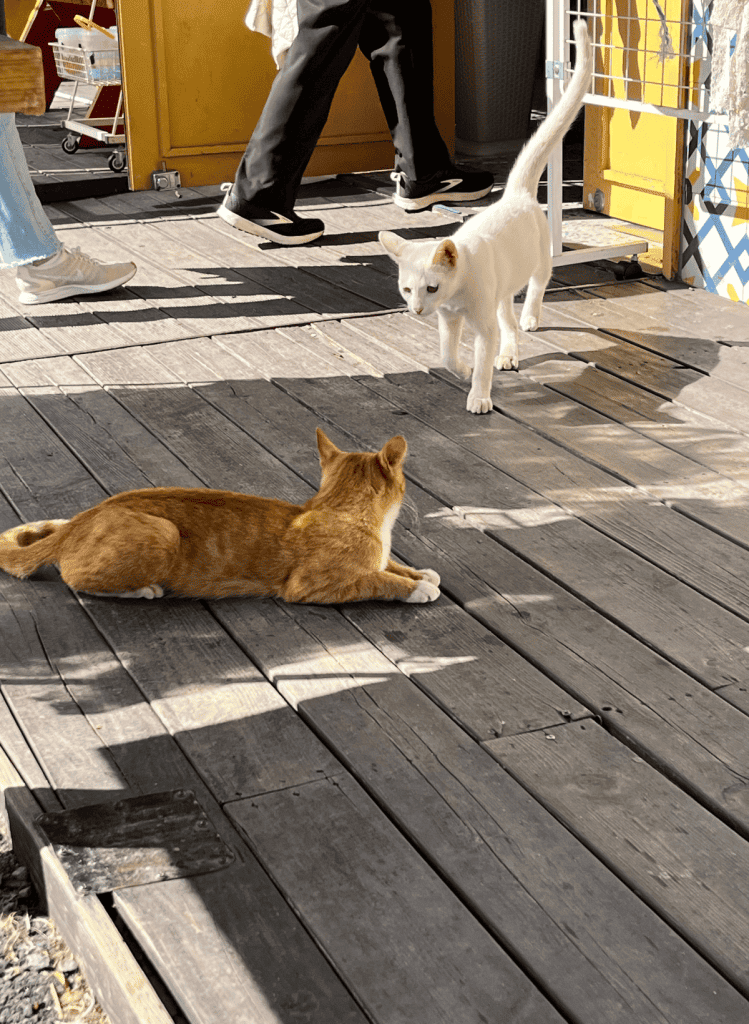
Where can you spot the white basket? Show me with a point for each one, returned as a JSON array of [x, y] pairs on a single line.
[[98, 67]]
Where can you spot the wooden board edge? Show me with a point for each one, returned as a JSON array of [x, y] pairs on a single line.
[[120, 985]]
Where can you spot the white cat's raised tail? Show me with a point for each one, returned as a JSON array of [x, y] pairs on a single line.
[[474, 275]]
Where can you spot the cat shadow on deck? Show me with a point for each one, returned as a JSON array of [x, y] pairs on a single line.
[[205, 543]]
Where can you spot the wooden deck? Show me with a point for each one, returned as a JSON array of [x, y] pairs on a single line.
[[527, 803]]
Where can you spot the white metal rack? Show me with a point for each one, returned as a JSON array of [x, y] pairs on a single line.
[[97, 67], [684, 100]]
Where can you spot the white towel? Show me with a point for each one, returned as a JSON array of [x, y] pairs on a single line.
[[729, 89], [277, 19]]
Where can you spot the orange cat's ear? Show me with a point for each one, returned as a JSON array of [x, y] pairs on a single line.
[[446, 255], [393, 453], [326, 447]]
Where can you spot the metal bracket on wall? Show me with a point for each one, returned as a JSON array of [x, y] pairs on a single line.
[[161, 180], [555, 69]]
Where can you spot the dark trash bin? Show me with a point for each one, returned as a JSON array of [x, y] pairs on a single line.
[[497, 45]]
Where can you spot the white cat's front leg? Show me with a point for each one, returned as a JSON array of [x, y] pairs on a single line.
[[508, 356], [530, 316], [451, 329], [480, 395]]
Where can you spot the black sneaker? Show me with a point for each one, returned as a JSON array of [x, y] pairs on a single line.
[[285, 229], [452, 185]]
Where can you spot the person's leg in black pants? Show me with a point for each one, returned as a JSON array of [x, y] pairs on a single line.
[[397, 39], [298, 104]]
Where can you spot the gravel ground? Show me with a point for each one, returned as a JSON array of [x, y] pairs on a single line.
[[40, 980]]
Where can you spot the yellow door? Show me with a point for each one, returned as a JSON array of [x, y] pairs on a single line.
[[195, 80], [633, 160]]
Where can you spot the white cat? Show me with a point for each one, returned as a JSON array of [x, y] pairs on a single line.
[[474, 275]]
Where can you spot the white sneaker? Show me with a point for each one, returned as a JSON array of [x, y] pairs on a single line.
[[69, 272]]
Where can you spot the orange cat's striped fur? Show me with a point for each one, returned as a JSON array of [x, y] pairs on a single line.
[[196, 542]]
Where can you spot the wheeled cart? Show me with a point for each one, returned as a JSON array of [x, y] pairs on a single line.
[[81, 57]]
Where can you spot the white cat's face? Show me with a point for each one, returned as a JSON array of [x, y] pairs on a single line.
[[426, 271]]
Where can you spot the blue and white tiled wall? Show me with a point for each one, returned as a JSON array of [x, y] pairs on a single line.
[[715, 222]]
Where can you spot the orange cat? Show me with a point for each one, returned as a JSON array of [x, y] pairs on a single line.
[[197, 542]]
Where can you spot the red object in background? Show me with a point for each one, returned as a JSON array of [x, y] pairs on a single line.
[[47, 20]]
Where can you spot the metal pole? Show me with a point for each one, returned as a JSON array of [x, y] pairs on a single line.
[[556, 59]]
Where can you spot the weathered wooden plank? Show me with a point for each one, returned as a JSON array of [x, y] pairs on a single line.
[[14, 745], [709, 563], [138, 320], [286, 351], [21, 660], [63, 327], [229, 948], [130, 365], [54, 371], [612, 352], [266, 270], [717, 446], [219, 299], [403, 942], [117, 450], [674, 322], [636, 458], [111, 969], [38, 471], [372, 355], [199, 359], [548, 900], [20, 338], [683, 862], [643, 698], [241, 735], [689, 629], [236, 915], [488, 687], [214, 448], [91, 445], [417, 339]]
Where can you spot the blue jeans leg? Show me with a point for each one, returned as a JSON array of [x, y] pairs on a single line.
[[25, 231]]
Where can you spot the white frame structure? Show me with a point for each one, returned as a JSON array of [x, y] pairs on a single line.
[[559, 15]]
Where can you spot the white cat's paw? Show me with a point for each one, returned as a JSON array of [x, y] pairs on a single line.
[[430, 576], [505, 362], [458, 367], [478, 404], [423, 592], [529, 323]]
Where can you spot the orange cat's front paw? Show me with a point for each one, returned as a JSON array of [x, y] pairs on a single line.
[[423, 592], [430, 576]]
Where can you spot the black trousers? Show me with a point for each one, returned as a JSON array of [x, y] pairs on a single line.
[[396, 38]]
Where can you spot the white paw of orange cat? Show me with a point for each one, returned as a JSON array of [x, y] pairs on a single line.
[[477, 404], [430, 576], [148, 592], [424, 592], [529, 323]]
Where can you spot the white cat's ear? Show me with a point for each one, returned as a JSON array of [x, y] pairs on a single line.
[[393, 453], [326, 447], [392, 243], [446, 254]]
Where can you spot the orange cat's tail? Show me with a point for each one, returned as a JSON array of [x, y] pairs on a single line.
[[25, 548]]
